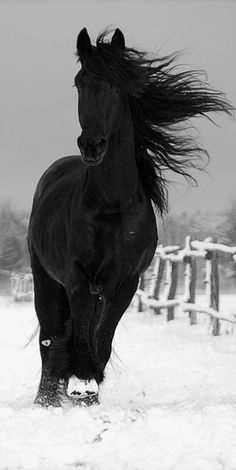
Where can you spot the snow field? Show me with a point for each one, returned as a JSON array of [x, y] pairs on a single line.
[[168, 401]]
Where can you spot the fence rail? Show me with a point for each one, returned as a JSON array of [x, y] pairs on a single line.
[[166, 264], [161, 291]]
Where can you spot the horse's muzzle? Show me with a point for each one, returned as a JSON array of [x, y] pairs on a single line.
[[92, 152]]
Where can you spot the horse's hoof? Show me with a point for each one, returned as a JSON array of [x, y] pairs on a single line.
[[82, 392], [46, 401], [86, 400]]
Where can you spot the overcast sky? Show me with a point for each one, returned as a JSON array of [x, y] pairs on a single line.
[[38, 117]]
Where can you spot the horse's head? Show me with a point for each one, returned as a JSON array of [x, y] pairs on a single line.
[[100, 101]]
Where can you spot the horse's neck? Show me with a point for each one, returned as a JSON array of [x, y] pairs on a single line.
[[115, 179]]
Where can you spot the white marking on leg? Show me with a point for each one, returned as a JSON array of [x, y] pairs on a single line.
[[46, 342], [81, 388]]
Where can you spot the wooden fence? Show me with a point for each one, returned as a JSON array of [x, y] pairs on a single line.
[[22, 287], [166, 263]]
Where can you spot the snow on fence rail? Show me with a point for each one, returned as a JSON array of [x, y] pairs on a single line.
[[166, 263]]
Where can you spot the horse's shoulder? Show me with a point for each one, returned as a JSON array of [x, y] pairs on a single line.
[[61, 169]]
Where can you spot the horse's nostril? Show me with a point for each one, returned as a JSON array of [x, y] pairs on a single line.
[[100, 144], [91, 149]]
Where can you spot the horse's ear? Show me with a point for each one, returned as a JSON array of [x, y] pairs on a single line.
[[118, 39], [83, 43]]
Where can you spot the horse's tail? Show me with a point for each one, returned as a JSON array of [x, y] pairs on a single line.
[[32, 336]]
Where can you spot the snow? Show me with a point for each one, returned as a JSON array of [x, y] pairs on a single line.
[[168, 401]]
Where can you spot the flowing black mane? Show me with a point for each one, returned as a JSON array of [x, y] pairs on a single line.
[[161, 96]]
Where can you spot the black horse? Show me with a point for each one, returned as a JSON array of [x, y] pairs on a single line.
[[92, 230]]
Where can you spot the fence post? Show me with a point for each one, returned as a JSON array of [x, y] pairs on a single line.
[[173, 277], [153, 269], [212, 287], [141, 287], [159, 275], [215, 291], [190, 274]]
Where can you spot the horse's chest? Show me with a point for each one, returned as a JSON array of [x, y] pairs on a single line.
[[102, 237]]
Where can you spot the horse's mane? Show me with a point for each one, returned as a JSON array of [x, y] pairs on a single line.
[[161, 97]]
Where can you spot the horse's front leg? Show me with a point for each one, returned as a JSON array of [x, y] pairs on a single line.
[[52, 309], [117, 305], [84, 370]]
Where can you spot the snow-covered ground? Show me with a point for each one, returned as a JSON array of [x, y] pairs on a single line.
[[168, 401]]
